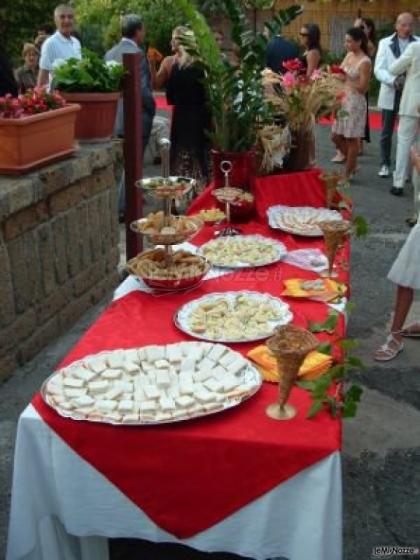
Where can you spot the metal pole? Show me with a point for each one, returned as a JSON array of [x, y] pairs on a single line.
[[133, 150]]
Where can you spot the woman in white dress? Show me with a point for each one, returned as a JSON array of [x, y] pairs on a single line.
[[405, 272], [350, 126]]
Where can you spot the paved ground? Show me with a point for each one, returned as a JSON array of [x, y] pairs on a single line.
[[381, 446]]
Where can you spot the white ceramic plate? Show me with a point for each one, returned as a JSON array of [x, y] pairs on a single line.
[[223, 243], [248, 377], [300, 220], [183, 315]]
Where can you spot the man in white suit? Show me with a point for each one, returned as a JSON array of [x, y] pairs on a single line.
[[408, 63], [389, 50]]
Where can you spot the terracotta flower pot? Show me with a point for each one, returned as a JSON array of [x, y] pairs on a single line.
[[95, 122], [31, 142], [243, 169]]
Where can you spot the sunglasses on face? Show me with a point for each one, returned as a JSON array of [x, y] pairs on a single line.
[[304, 34]]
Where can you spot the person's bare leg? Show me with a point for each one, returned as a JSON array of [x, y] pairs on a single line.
[[340, 144], [351, 156], [402, 307]]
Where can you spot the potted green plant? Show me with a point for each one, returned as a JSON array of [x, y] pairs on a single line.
[[95, 85], [235, 91], [35, 129]]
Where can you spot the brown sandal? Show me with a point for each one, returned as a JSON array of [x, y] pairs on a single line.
[[389, 350]]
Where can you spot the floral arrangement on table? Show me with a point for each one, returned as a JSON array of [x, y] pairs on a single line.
[[301, 100], [34, 101], [88, 75]]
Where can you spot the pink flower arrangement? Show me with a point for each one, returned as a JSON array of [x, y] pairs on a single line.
[[289, 80], [34, 101]]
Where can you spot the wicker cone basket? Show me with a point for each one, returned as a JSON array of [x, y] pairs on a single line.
[[290, 345]]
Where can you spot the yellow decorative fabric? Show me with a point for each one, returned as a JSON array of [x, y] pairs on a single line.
[[330, 289], [315, 364]]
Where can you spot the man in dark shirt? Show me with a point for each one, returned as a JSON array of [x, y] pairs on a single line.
[[278, 51]]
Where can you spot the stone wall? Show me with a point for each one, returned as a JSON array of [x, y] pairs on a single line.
[[58, 249]]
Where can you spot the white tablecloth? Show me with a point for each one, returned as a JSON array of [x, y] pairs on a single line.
[[64, 509], [56, 494]]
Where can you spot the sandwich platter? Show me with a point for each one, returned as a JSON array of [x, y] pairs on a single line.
[[153, 384], [300, 220]]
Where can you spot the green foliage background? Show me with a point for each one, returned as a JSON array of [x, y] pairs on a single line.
[[19, 21]]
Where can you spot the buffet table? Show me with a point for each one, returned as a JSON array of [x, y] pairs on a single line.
[[235, 482]]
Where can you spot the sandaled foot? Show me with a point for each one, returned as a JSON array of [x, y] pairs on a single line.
[[389, 350], [412, 331]]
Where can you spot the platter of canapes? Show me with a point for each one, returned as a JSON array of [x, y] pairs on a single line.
[[167, 230], [243, 251], [300, 220], [230, 317], [166, 187], [152, 384], [179, 270]]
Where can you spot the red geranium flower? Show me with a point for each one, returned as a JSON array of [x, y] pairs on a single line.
[[293, 65]]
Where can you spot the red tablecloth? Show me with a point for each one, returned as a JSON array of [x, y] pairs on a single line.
[[186, 477]]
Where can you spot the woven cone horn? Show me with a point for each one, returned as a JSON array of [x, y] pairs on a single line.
[[290, 345]]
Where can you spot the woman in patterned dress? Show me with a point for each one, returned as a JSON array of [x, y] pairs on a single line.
[[349, 125]]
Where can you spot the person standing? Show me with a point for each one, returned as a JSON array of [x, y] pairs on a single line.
[[409, 65], [389, 49], [405, 273], [185, 90], [310, 36], [349, 128], [27, 75], [280, 50], [133, 34], [62, 45]]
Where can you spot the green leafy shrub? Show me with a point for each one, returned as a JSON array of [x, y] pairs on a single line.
[[19, 21], [99, 21], [91, 74]]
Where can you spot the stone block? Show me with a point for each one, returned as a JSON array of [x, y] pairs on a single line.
[[84, 237], [103, 214], [46, 252], [19, 273], [89, 277], [34, 274], [72, 242], [75, 309], [58, 227], [22, 328], [7, 365], [43, 335], [24, 220], [113, 216], [54, 303], [101, 180], [113, 260], [67, 198], [7, 306], [52, 178], [95, 228], [25, 192]]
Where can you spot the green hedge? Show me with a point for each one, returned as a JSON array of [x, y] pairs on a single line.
[[19, 21]]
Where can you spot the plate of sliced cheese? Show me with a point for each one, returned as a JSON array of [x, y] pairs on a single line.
[[300, 220], [243, 251], [153, 384], [242, 316]]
